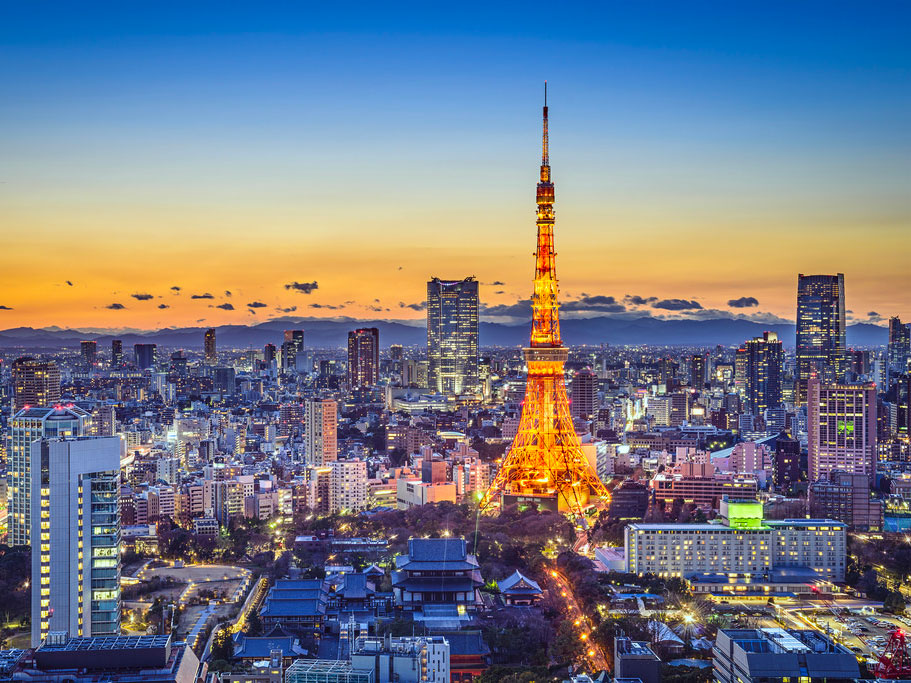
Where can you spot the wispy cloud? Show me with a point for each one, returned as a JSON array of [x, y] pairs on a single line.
[[744, 302], [115, 307], [202, 296], [142, 296]]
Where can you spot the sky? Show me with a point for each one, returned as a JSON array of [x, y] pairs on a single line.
[[169, 164]]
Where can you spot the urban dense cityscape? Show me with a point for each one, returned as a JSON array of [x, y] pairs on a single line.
[[374, 499]]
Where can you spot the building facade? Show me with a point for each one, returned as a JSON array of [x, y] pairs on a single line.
[[25, 427], [841, 428], [76, 537], [820, 329], [34, 383], [321, 429], [452, 336], [363, 357], [762, 372]]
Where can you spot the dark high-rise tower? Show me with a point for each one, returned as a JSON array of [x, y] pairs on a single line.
[[209, 346], [293, 344], [899, 349], [269, 353], [452, 335], [363, 357], [145, 355], [698, 370], [89, 351], [820, 329], [761, 362], [116, 353], [545, 463]]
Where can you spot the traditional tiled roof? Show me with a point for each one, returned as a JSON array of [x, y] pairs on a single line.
[[519, 584]]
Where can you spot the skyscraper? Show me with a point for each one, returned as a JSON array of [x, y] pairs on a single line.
[[26, 426], [116, 353], [698, 370], [363, 357], [76, 522], [584, 394], [761, 359], [321, 426], [899, 349], [841, 428], [209, 346], [268, 353], [291, 346], [144, 355], [452, 335], [35, 382], [89, 351], [545, 463], [820, 329]]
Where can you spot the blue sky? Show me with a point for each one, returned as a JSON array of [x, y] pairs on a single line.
[[686, 136]]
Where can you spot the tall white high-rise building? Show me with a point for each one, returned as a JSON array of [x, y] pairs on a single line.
[[25, 427], [348, 485], [75, 487], [321, 425]]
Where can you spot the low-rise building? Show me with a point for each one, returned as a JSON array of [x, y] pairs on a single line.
[[777, 655]]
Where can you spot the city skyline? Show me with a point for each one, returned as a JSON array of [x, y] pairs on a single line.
[[227, 152]]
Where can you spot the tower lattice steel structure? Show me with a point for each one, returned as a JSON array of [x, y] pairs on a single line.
[[545, 462]]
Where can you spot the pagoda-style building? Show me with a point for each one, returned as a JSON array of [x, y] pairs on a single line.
[[437, 572]]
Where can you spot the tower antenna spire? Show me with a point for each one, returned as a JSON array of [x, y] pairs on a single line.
[[545, 148]]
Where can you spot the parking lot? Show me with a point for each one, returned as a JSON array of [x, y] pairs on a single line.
[[860, 629]]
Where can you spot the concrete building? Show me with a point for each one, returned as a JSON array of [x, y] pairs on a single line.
[[699, 485], [846, 497], [348, 485], [76, 537], [415, 659], [820, 329], [34, 383], [742, 544], [777, 655], [583, 402], [363, 357], [321, 429], [25, 427], [326, 671], [635, 660], [841, 428], [412, 492]]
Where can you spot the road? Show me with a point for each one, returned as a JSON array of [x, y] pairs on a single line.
[[562, 591]]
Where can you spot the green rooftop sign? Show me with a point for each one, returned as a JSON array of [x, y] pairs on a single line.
[[744, 514]]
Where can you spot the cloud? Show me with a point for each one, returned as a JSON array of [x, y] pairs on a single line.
[[5, 308], [375, 308], [290, 309], [497, 283], [329, 306], [874, 317], [225, 306], [744, 302], [677, 305], [227, 292], [69, 282], [115, 307], [176, 289], [142, 297], [202, 296], [500, 291], [303, 287], [597, 303], [256, 304], [636, 300], [163, 306], [520, 309], [414, 307]]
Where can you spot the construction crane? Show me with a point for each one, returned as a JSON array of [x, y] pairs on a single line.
[[895, 662]]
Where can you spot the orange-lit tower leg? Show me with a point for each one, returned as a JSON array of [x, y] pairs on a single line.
[[545, 462]]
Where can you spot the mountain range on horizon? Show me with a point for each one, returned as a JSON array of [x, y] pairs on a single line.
[[323, 333]]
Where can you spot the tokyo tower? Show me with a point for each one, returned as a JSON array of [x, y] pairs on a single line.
[[545, 463]]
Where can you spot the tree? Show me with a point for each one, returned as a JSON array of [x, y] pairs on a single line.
[[566, 646], [894, 602]]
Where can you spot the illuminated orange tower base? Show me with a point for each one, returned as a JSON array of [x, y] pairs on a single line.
[[545, 463]]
